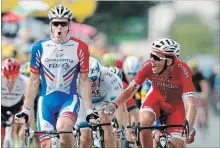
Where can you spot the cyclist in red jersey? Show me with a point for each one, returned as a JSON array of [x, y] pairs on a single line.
[[171, 85]]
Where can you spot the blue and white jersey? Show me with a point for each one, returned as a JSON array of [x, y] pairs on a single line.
[[109, 85], [59, 64]]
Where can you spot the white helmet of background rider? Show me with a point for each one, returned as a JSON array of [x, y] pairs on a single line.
[[116, 71], [167, 47], [94, 69], [131, 65], [60, 11]]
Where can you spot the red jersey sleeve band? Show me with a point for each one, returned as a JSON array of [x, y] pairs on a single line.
[[34, 70]]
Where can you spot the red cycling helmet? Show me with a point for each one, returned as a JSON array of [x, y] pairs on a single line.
[[118, 63], [10, 66]]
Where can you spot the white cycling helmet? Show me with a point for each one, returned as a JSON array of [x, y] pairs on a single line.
[[116, 71], [94, 69], [60, 11], [131, 65], [166, 46]]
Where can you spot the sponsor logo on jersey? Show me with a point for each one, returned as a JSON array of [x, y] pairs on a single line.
[[108, 73], [66, 66], [96, 93], [59, 60], [11, 94], [69, 45], [114, 80], [59, 53], [165, 84], [186, 73], [50, 45]]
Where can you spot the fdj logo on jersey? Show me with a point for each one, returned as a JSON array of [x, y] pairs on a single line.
[[56, 65]]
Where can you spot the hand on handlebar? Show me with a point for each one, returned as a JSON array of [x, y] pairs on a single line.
[[92, 117], [190, 139], [109, 107], [23, 116]]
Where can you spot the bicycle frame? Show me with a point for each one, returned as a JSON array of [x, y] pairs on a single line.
[[163, 138], [97, 133], [55, 143]]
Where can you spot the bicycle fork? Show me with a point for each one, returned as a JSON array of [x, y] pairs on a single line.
[[163, 140], [54, 141]]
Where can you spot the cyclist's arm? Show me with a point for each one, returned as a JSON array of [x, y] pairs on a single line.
[[31, 90], [204, 88], [190, 110], [188, 95], [85, 90], [126, 94], [136, 83], [84, 83]]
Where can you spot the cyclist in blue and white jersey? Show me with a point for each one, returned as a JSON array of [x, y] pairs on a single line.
[[58, 60], [106, 86]]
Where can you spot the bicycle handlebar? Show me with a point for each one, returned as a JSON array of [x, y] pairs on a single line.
[[136, 129]]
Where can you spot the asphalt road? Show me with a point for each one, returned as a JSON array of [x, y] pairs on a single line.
[[211, 137]]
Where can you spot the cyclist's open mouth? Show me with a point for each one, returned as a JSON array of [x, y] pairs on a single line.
[[154, 68], [59, 33], [93, 83]]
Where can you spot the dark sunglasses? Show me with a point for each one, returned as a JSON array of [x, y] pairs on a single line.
[[157, 58], [62, 24], [94, 78]]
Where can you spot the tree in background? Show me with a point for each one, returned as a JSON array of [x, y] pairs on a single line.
[[193, 34], [115, 18]]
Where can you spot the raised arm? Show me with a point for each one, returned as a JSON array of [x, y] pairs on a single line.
[[85, 90], [31, 90]]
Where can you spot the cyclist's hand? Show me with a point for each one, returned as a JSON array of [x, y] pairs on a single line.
[[92, 117], [23, 116], [110, 107], [117, 133], [190, 139]]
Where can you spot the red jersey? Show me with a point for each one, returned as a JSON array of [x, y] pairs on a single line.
[[174, 83]]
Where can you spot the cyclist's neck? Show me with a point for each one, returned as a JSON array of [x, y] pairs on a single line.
[[60, 40], [10, 85]]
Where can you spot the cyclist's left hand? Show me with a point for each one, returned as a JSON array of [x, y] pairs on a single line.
[[117, 133], [92, 117], [190, 139]]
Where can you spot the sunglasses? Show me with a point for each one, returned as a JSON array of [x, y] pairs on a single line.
[[94, 78], [132, 73], [157, 58], [62, 24]]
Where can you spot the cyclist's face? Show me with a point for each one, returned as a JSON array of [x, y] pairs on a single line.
[[156, 62], [11, 79], [94, 84], [60, 28]]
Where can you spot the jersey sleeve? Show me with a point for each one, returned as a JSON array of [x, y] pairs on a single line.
[[143, 73], [35, 58], [83, 54], [114, 84], [186, 80]]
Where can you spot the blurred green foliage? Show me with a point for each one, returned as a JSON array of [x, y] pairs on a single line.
[[116, 19], [194, 35]]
